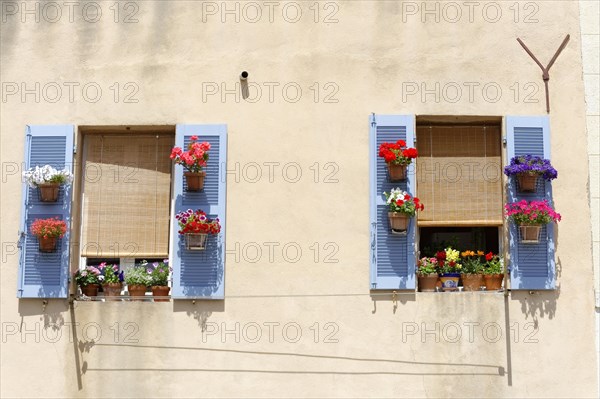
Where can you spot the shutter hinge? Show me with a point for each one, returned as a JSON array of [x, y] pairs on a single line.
[[504, 140], [75, 149]]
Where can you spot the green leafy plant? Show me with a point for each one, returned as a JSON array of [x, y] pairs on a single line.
[[402, 202], [158, 272], [427, 266], [110, 274], [88, 275], [472, 262], [137, 276], [494, 264]]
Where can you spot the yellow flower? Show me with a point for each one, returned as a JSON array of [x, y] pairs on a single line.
[[480, 253], [464, 254]]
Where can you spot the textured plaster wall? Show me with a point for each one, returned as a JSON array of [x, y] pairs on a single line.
[[370, 60], [590, 43]]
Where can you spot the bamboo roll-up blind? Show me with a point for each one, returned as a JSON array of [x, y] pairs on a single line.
[[126, 195], [459, 175]]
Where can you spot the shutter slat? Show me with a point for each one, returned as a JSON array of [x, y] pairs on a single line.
[[200, 274], [392, 256], [45, 275], [532, 266]]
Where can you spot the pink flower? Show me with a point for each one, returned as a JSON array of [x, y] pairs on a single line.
[[194, 138]]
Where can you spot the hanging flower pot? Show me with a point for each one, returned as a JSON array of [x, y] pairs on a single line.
[[397, 172], [195, 241], [527, 169], [48, 181], [194, 160], [90, 290], [427, 282], [48, 231], [530, 233], [472, 282], [47, 244], [49, 192], [398, 221], [401, 207], [398, 157], [527, 182], [194, 181], [160, 291], [450, 281]]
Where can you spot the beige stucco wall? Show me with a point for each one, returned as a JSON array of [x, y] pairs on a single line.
[[371, 55]]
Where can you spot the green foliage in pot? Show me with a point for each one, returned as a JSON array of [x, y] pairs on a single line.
[[137, 276]]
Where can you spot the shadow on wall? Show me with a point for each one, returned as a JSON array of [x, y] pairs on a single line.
[[536, 304], [200, 310], [52, 311], [378, 366], [395, 296]]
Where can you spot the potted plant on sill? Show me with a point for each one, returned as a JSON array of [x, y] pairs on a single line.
[[472, 270], [402, 207], [530, 216], [48, 181], [194, 160], [449, 267], [111, 279], [397, 157], [48, 231], [493, 272], [527, 169], [89, 281], [137, 280], [159, 280], [195, 227], [427, 274]]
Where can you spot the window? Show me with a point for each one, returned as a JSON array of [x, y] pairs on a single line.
[[124, 199], [458, 171], [458, 176], [126, 194]]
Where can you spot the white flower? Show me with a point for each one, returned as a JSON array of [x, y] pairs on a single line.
[[44, 174], [101, 277]]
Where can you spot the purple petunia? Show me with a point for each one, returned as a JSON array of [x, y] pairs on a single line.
[[531, 164]]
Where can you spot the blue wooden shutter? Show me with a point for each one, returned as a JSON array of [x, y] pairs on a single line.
[[200, 274], [532, 266], [392, 256], [45, 275]]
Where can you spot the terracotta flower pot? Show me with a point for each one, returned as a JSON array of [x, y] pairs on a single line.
[[195, 242], [450, 281], [160, 290], [136, 290], [472, 282], [194, 181], [530, 233], [47, 244], [112, 290], [397, 172], [427, 282], [49, 192], [527, 182], [90, 290], [493, 282], [398, 221]]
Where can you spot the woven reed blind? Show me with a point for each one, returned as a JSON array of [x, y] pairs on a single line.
[[459, 175], [126, 196]]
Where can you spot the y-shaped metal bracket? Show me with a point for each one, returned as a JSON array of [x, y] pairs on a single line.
[[546, 70]]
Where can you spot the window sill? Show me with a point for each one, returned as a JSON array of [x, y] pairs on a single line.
[[123, 298]]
